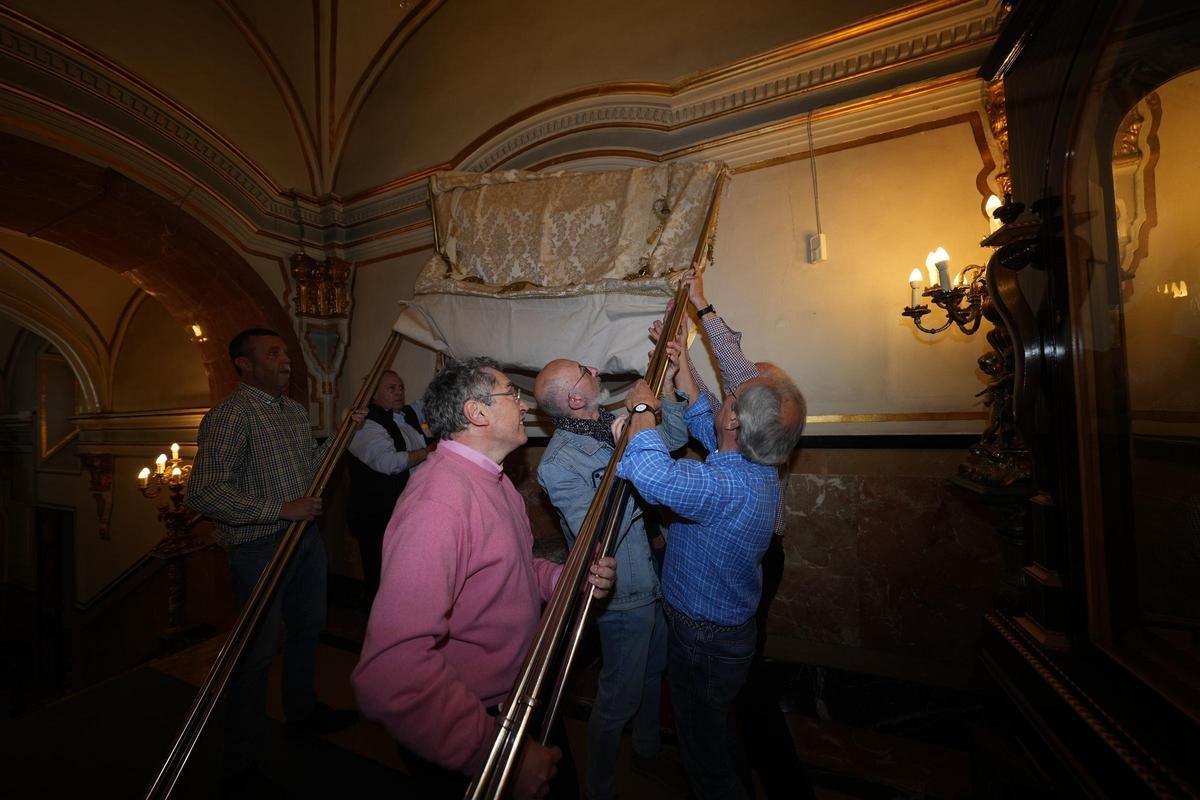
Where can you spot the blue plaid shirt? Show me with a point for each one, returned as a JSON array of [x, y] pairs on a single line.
[[726, 506]]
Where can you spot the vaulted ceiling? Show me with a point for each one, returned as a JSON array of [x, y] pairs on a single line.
[[338, 96]]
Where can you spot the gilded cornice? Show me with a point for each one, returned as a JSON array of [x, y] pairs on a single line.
[[912, 36], [58, 91]]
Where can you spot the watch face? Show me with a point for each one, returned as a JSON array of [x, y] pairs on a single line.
[[640, 407]]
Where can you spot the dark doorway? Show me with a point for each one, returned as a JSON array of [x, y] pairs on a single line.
[[55, 535]]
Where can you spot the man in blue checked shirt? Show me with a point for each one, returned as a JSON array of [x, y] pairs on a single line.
[[712, 575]]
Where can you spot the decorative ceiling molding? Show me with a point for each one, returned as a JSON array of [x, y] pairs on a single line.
[[891, 43], [868, 75]]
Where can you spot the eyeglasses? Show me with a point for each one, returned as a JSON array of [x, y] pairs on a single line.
[[583, 373], [514, 392]]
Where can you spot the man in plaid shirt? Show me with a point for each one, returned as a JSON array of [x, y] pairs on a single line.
[[712, 578], [256, 456]]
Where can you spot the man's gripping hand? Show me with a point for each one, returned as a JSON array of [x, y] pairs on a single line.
[[640, 392], [535, 771], [308, 508], [603, 575]]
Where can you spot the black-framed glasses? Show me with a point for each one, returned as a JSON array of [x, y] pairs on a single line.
[[514, 392], [583, 373]]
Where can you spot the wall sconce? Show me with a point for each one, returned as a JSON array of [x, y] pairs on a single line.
[[961, 298], [172, 474]]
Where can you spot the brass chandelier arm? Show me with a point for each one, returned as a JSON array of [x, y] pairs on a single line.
[[573, 598], [235, 644], [963, 305]]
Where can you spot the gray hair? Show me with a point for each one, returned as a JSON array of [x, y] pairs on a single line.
[[451, 388], [768, 431]]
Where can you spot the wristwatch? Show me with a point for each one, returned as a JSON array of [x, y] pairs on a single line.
[[640, 407], [708, 309]]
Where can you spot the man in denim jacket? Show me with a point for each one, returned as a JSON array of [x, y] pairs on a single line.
[[633, 635]]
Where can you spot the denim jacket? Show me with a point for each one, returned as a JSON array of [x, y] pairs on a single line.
[[571, 469]]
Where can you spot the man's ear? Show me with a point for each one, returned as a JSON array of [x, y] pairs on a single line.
[[473, 410], [243, 364], [731, 422]]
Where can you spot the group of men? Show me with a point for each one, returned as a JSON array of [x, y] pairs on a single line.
[[459, 592]]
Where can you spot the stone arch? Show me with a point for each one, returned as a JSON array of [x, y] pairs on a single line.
[[197, 276]]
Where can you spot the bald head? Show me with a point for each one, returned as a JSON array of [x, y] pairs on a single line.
[[389, 394], [769, 369], [566, 388]]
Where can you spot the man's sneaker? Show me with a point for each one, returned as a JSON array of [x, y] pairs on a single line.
[[322, 720]]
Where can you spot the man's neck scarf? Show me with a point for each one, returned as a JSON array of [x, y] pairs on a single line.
[[599, 429]]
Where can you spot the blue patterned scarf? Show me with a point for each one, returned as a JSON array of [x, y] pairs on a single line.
[[599, 429]]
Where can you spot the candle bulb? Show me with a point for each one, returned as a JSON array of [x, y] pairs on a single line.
[[175, 451], [160, 463], [914, 282], [940, 260], [990, 207], [144, 477], [176, 472]]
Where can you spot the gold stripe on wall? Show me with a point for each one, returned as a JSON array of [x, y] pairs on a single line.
[[1149, 415], [535, 416], [912, 416]]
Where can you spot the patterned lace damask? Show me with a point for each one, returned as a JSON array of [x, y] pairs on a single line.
[[521, 234]]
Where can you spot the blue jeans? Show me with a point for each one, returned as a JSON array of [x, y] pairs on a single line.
[[633, 643], [299, 603], [707, 665]]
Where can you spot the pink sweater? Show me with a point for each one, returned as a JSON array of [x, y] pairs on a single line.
[[458, 604]]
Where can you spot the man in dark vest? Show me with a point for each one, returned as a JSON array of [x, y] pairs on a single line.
[[414, 415], [382, 453]]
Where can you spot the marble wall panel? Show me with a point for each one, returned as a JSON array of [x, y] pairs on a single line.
[[881, 553], [890, 563]]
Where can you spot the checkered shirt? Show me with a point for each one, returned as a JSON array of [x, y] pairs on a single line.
[[726, 506], [736, 369], [255, 453]]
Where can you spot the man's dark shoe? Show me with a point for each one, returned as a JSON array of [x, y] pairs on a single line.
[[250, 783], [322, 720]]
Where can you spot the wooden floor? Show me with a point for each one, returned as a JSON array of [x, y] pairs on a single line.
[[111, 737]]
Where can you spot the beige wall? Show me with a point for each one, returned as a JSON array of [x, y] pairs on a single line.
[[156, 366], [836, 325], [378, 288]]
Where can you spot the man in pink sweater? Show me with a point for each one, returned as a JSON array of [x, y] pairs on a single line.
[[461, 593]]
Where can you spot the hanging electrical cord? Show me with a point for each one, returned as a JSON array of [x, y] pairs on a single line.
[[812, 162], [816, 243]]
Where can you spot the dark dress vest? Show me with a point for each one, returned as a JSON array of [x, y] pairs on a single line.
[[373, 494], [410, 416]]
